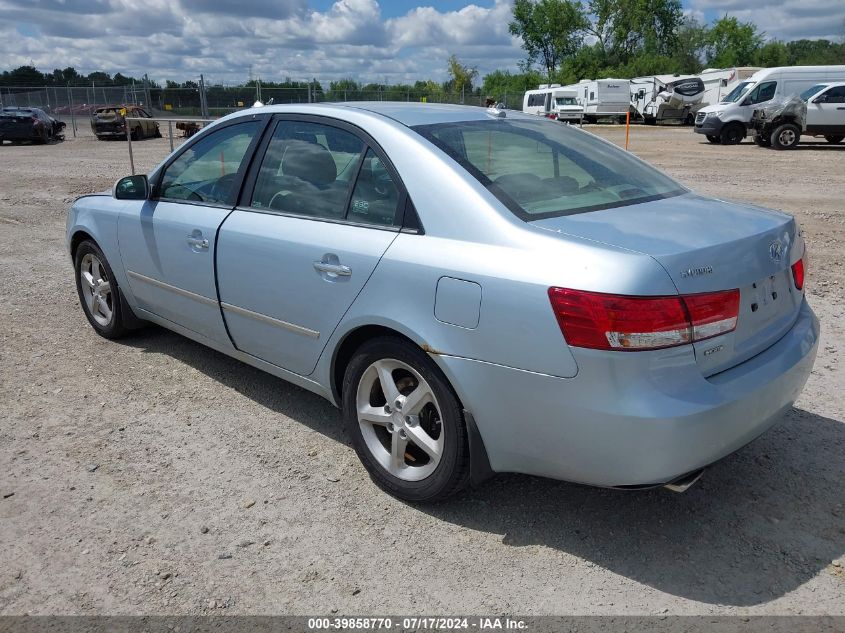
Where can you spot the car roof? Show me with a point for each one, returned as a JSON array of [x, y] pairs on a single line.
[[409, 114]]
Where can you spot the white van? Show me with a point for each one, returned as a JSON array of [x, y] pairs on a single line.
[[727, 122], [603, 98]]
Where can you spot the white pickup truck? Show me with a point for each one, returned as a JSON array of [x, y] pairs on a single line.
[[818, 111]]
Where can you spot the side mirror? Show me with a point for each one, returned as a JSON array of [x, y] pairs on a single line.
[[820, 99], [131, 188]]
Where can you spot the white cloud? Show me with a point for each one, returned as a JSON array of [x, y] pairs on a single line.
[[226, 39], [274, 39], [786, 20]]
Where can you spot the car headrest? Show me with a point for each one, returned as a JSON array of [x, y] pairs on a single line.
[[309, 162]]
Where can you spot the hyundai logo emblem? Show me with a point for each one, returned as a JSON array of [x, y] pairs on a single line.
[[775, 250]]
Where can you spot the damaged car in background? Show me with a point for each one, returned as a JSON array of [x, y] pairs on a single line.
[[110, 122], [29, 124], [818, 111]]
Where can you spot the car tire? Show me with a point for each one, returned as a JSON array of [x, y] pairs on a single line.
[[419, 451], [714, 139], [834, 139], [786, 136], [732, 134], [158, 132], [762, 140], [102, 307], [135, 134]]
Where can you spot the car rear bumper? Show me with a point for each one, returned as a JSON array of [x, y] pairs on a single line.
[[20, 133], [633, 419]]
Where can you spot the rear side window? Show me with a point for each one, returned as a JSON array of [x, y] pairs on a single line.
[[208, 171], [540, 169], [308, 169], [375, 197]]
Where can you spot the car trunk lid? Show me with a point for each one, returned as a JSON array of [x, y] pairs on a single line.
[[708, 245]]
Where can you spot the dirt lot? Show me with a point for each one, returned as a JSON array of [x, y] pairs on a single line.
[[156, 476]]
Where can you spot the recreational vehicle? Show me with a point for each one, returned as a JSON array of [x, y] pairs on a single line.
[[660, 98], [539, 101], [566, 106], [727, 122], [603, 98]]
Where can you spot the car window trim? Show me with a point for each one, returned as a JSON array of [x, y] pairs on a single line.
[[251, 179], [243, 170]]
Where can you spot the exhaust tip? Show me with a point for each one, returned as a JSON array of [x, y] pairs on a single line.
[[683, 483]]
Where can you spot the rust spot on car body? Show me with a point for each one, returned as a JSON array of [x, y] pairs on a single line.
[[430, 350]]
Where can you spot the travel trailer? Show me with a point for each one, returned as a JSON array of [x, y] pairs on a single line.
[[603, 98], [728, 122], [661, 98]]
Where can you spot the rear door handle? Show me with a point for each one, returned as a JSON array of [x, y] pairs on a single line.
[[333, 269], [197, 242]]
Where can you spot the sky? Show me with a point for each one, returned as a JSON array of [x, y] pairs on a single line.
[[391, 41]]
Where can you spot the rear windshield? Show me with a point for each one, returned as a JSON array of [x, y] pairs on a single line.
[[542, 169]]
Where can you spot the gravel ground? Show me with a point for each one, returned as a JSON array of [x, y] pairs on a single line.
[[157, 476]]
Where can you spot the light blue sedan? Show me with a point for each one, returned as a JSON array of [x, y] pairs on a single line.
[[479, 290]]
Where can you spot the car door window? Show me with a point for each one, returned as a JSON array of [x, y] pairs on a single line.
[[208, 171], [835, 95], [307, 170], [764, 92], [375, 197]]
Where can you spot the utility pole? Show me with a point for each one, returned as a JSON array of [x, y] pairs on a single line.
[[203, 102]]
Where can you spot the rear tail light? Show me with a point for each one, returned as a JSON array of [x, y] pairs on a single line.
[[625, 323], [799, 270]]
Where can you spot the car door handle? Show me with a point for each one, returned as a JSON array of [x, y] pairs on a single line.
[[198, 242], [333, 269]]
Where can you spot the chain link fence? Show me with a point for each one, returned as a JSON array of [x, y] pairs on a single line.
[[75, 104]]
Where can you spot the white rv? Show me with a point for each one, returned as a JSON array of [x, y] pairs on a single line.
[[539, 101], [603, 98], [660, 98], [566, 106], [727, 122]]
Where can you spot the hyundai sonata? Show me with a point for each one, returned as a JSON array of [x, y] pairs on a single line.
[[479, 290]]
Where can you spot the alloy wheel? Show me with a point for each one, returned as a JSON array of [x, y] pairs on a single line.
[[96, 289], [400, 419]]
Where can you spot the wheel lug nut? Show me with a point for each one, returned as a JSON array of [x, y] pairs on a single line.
[[398, 404], [387, 408], [403, 435]]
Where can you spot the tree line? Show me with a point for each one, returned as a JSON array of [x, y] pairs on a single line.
[[631, 38]]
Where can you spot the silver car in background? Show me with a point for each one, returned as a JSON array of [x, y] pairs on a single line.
[[479, 290]]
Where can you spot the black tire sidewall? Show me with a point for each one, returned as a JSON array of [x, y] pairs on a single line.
[[727, 136], [775, 138], [115, 329], [452, 472]]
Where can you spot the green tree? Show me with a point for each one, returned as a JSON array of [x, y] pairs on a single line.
[[644, 26], [772, 54], [460, 76], [551, 30], [732, 43]]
